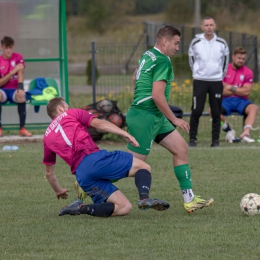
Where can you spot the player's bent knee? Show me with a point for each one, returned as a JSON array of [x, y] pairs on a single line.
[[123, 209], [138, 165], [1, 97], [126, 209], [182, 152], [19, 96], [183, 148], [181, 156], [147, 167], [251, 109], [144, 165]]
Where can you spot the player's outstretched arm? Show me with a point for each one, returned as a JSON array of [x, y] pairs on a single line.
[[52, 179], [106, 126], [130, 139]]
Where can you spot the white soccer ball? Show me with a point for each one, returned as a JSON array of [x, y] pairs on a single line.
[[250, 204]]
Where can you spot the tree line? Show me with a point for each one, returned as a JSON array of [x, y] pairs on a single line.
[[100, 14]]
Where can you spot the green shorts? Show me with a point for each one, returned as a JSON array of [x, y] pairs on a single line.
[[145, 127]]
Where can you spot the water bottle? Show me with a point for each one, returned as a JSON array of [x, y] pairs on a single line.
[[10, 148]]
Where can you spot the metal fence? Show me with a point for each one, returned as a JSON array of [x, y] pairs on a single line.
[[116, 64], [233, 39]]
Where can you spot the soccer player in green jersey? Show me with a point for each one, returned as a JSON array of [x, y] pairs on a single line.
[[150, 119]]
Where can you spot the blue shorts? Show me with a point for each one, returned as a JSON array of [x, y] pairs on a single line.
[[8, 95], [235, 104], [97, 169]]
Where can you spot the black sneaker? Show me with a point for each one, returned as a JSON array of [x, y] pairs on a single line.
[[215, 143], [192, 143], [156, 204], [72, 209]]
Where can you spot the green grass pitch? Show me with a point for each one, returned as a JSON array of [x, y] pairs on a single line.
[[30, 227]]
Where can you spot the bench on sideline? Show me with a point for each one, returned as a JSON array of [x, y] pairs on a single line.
[[36, 103], [50, 81]]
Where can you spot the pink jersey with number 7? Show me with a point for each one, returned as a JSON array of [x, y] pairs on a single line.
[[67, 136]]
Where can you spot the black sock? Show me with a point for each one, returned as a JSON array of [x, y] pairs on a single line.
[[22, 113], [0, 114], [105, 209], [143, 180]]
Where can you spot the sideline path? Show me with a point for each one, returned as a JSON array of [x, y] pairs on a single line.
[[16, 139]]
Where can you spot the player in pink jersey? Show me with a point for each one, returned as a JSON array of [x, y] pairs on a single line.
[[95, 169], [11, 82], [237, 87]]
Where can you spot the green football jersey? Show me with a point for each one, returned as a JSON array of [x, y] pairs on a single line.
[[153, 66]]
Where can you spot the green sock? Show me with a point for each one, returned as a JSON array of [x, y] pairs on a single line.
[[182, 173]]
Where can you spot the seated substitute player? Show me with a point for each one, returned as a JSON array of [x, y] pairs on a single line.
[[150, 106], [67, 136], [237, 87], [11, 82]]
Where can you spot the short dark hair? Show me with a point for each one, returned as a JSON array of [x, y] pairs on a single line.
[[239, 50], [7, 41], [52, 106], [167, 31], [207, 18]]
